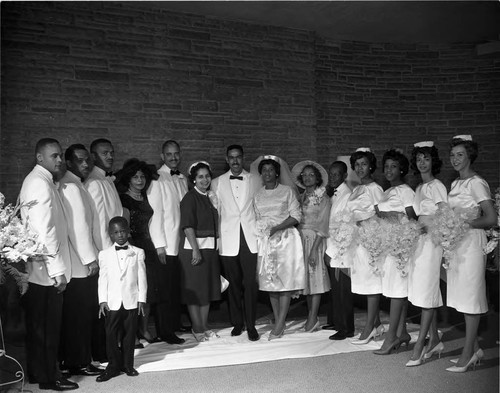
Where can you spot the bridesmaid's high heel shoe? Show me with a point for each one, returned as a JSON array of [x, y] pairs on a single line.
[[392, 347], [314, 328], [418, 362], [405, 340], [275, 336], [200, 337], [437, 349], [472, 362], [211, 334], [479, 353]]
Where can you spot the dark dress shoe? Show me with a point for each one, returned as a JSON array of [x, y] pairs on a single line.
[[253, 335], [131, 372], [89, 371], [341, 335], [184, 329], [59, 385], [173, 339], [237, 330], [328, 327], [139, 346], [107, 375]]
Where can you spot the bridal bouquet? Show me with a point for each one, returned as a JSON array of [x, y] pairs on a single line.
[[371, 235], [401, 240], [493, 233], [17, 244], [448, 228], [343, 231]]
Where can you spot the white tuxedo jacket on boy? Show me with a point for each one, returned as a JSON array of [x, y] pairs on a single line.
[[124, 284], [231, 216]]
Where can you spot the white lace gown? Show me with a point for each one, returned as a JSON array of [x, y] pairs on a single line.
[[361, 203], [466, 284], [425, 264], [395, 199], [280, 261], [314, 223]]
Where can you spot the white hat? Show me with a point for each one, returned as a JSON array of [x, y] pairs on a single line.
[[463, 137], [271, 157], [424, 144], [364, 149], [299, 167], [198, 162]]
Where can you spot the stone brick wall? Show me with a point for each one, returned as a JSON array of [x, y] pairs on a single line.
[[77, 71]]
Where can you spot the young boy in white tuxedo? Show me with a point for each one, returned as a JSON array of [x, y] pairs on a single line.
[[122, 294]]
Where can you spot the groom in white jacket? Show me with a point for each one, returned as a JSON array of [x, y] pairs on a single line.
[[238, 242]]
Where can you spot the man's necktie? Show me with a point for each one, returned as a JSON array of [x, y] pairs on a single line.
[[117, 248], [231, 177], [174, 172]]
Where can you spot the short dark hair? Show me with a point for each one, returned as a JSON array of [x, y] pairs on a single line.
[[234, 147], [118, 220], [341, 164], [396, 155], [169, 142], [317, 173], [45, 142], [194, 170], [69, 154], [372, 160], [427, 151], [471, 148], [130, 168], [97, 142], [275, 164]]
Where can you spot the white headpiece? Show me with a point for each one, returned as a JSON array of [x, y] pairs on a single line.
[[463, 137], [424, 144], [198, 162], [271, 157], [364, 149]]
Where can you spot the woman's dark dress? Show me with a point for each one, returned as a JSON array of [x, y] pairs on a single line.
[[140, 214], [201, 283]]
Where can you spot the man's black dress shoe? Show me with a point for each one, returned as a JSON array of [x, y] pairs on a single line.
[[253, 335], [237, 330], [340, 335], [59, 385], [131, 372], [328, 327], [173, 339], [184, 329], [107, 375], [89, 370]]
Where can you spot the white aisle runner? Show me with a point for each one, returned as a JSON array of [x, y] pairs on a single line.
[[228, 350]]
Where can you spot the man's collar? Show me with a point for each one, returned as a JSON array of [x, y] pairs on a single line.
[[73, 177]]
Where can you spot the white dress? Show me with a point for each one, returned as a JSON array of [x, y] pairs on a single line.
[[314, 223], [280, 260], [425, 264], [466, 289], [361, 203], [395, 199]]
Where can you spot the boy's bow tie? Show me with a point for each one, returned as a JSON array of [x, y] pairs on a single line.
[[121, 248]]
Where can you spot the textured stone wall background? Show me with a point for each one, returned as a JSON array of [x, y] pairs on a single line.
[[77, 71]]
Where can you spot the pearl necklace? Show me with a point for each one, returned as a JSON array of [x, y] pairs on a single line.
[[134, 194]]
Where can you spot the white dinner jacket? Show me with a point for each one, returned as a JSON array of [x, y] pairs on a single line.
[[106, 202], [46, 218], [339, 204], [83, 223], [117, 286], [164, 196], [231, 217]]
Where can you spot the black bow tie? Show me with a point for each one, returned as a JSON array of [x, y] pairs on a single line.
[[231, 177], [110, 173], [117, 248], [175, 172]]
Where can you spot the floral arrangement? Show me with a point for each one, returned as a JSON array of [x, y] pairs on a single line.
[[315, 197], [449, 227], [493, 233], [213, 198], [401, 240], [371, 234], [17, 244], [343, 231]]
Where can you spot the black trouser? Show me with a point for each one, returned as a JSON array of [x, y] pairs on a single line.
[[98, 330], [43, 307], [240, 271], [78, 308], [121, 327], [342, 300], [168, 310]]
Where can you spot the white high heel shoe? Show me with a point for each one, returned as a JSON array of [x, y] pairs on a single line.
[[472, 362]]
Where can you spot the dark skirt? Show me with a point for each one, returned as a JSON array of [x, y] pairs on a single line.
[[200, 284]]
